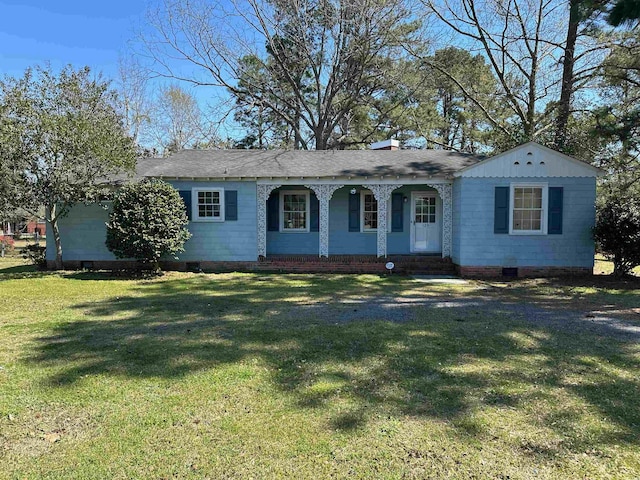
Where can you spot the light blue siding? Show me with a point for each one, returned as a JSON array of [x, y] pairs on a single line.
[[83, 231], [341, 240], [82, 234], [224, 241], [457, 221], [479, 246], [474, 243]]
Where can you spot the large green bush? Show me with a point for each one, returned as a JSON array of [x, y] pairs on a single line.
[[617, 232], [147, 222]]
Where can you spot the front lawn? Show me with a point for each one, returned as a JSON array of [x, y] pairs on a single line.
[[316, 376]]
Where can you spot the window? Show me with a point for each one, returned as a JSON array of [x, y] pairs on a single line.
[[528, 214], [294, 211], [425, 210], [208, 204], [369, 212]]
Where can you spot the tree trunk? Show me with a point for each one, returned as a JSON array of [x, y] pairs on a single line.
[[56, 238], [564, 105], [52, 218], [321, 137], [620, 267], [297, 143]]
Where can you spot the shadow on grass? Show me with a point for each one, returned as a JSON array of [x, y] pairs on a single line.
[[17, 271], [325, 338], [599, 293]]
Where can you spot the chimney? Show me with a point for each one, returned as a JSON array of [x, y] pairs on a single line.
[[386, 145]]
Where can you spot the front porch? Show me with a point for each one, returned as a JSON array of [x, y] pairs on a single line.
[[358, 219]]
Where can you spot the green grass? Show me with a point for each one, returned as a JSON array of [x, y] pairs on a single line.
[[309, 376]]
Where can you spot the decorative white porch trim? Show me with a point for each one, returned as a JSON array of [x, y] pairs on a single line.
[[446, 195], [262, 196], [324, 192], [382, 193]]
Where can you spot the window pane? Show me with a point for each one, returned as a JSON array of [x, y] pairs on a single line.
[[517, 220], [527, 208], [370, 212], [294, 211], [517, 202], [370, 220], [537, 198], [295, 220]]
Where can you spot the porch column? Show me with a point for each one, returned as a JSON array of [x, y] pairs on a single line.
[[446, 195], [382, 193], [324, 193], [262, 196]]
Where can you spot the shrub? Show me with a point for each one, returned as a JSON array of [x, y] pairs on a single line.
[[147, 222], [617, 233], [7, 243], [36, 254]]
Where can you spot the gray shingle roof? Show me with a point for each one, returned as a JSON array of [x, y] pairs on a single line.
[[309, 164]]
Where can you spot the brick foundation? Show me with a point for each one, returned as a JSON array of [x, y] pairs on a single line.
[[404, 265], [523, 272]]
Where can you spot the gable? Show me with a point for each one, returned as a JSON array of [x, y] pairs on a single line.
[[530, 160]]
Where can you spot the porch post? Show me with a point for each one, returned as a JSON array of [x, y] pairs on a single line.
[[263, 193], [446, 195], [324, 192], [382, 193]]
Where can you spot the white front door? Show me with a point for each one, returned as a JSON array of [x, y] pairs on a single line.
[[426, 234]]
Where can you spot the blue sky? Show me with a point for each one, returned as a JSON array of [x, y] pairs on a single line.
[[89, 32], [82, 33]]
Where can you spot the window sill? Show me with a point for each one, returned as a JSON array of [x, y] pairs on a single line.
[[527, 233], [207, 220]]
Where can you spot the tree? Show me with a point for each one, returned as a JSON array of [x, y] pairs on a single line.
[[62, 139], [617, 232], [461, 125], [524, 45], [624, 11], [617, 119], [317, 60], [133, 91], [264, 128], [177, 121], [147, 222]]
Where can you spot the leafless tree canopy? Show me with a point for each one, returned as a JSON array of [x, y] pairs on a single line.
[[312, 61], [525, 44]]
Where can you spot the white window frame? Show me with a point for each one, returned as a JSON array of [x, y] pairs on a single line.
[[372, 230], [195, 211], [307, 195], [545, 208]]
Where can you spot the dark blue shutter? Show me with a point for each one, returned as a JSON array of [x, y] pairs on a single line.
[[555, 210], [273, 210], [501, 211], [354, 212], [186, 198], [314, 210], [396, 212], [231, 205]]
